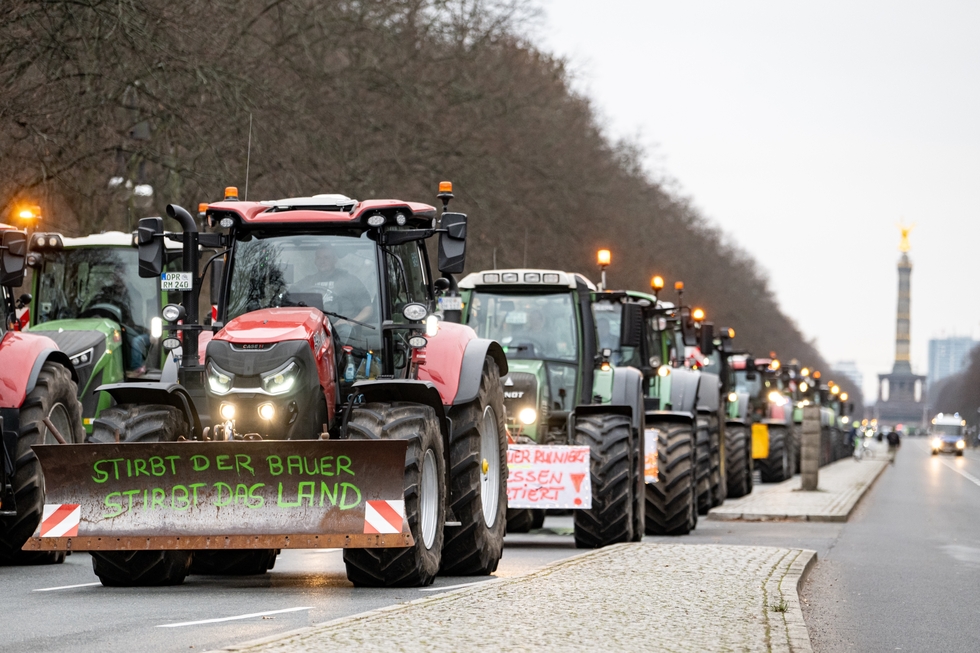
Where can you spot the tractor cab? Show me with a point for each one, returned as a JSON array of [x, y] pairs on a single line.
[[563, 395], [88, 297], [542, 320]]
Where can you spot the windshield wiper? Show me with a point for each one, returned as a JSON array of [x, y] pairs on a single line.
[[347, 319]]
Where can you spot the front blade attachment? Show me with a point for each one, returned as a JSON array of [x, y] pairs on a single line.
[[223, 495]]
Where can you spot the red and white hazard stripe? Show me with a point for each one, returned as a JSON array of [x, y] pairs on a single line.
[[384, 516], [60, 520]]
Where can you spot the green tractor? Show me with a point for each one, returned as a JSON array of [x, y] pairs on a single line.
[[835, 415], [563, 390], [772, 401], [641, 332], [88, 296], [729, 365]]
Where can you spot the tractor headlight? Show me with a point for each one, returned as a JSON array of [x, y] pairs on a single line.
[[776, 398], [414, 312], [219, 381], [267, 411], [431, 326], [961, 444], [82, 359], [937, 443], [663, 371], [527, 416], [732, 397], [281, 381], [156, 328], [227, 412]]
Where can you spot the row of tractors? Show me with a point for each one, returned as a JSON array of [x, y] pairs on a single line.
[[330, 390]]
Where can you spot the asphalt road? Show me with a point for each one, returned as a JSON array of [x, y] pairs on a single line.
[[901, 575]]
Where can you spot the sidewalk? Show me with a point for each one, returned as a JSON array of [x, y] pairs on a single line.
[[841, 486], [627, 597]]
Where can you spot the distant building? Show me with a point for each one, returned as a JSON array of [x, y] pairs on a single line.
[[851, 371], [948, 356]]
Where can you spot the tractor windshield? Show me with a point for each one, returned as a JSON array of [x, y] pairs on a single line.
[[96, 282], [608, 321], [541, 327], [334, 273]]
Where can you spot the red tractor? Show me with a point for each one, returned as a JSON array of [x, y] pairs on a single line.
[[38, 405], [331, 407]]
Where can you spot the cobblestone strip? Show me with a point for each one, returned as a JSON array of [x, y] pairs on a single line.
[[628, 597], [842, 484]]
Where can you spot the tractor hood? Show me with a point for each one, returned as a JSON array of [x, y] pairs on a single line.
[[272, 325], [75, 336]]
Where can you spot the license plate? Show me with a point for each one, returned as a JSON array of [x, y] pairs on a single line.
[[176, 281]]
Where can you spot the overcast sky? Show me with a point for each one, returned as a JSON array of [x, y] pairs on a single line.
[[806, 131]]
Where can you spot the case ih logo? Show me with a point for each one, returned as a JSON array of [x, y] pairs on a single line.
[[253, 346], [514, 394]]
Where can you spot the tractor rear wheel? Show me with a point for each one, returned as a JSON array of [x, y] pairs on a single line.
[[736, 454], [671, 508], [639, 486], [703, 466], [610, 520], [777, 467], [478, 481], [140, 423], [425, 496], [718, 484], [54, 396]]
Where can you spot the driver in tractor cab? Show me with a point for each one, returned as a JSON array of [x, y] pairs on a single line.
[[343, 293]]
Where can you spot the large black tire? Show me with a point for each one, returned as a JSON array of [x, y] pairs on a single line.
[[639, 486], [140, 423], [417, 565], [141, 568], [523, 520], [519, 520], [233, 562], [55, 396], [702, 476], [478, 442], [736, 454], [718, 484], [778, 466], [610, 519], [670, 503]]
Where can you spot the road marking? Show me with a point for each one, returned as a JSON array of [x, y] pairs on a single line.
[[241, 616], [970, 477], [65, 587], [451, 587]]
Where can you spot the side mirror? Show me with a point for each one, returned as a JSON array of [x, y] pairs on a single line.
[[631, 326], [707, 345], [688, 333], [217, 276], [13, 259], [452, 243], [149, 240]]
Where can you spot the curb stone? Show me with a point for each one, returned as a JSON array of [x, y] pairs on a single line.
[[839, 511], [704, 597]]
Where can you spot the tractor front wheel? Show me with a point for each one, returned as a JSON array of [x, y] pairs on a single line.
[[610, 520], [671, 505], [478, 481], [777, 467], [425, 496], [54, 396], [136, 423], [736, 457]]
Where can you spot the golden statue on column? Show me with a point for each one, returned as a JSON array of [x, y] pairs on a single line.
[[904, 246]]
